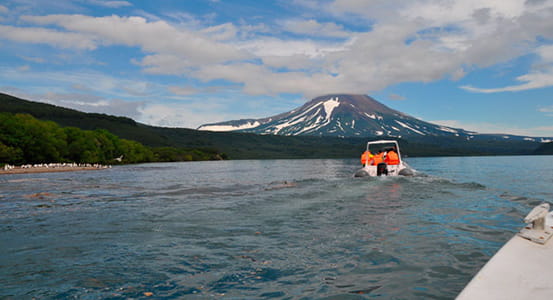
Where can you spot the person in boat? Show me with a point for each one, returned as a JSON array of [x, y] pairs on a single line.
[[391, 157], [379, 162], [366, 157], [378, 158]]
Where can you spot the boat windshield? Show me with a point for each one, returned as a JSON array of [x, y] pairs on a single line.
[[383, 146]]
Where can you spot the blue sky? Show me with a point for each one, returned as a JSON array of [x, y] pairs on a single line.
[[485, 66]]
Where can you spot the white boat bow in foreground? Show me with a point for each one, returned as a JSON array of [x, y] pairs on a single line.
[[519, 270]]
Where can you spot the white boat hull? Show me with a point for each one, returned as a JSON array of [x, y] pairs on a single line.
[[392, 170], [519, 270]]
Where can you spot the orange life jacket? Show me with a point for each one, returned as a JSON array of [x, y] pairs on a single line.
[[392, 158], [378, 159], [366, 157]]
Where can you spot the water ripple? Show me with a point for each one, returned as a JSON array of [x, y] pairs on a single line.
[[283, 229]]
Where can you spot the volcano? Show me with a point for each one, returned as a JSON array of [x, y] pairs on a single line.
[[341, 115]]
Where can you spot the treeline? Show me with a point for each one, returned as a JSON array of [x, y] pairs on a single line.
[[26, 140]]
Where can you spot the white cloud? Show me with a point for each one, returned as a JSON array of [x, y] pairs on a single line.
[[259, 80], [531, 81], [427, 41], [165, 64], [541, 77], [470, 33], [83, 81], [438, 13], [381, 57], [373, 9], [156, 37], [546, 53], [267, 47], [110, 4], [191, 112], [85, 102], [37, 35], [183, 91], [168, 116], [221, 32], [3, 9], [24, 68], [187, 115], [38, 60], [314, 28], [408, 41], [547, 110], [293, 62]]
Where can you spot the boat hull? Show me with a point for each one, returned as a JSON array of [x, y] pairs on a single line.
[[391, 170], [519, 270]]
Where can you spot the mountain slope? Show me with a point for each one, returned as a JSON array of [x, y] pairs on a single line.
[[340, 115], [345, 115], [545, 149]]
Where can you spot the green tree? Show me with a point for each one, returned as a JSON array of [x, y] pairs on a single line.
[[24, 139], [39, 141], [10, 155], [134, 152]]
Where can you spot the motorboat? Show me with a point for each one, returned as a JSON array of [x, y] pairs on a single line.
[[384, 148], [519, 269]]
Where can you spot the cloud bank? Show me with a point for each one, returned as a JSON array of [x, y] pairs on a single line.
[[408, 41], [166, 62]]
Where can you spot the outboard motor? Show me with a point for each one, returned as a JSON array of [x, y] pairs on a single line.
[[382, 169]]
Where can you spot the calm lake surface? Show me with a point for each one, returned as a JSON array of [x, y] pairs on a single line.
[[260, 229]]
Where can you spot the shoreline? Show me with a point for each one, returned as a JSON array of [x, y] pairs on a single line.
[[46, 169]]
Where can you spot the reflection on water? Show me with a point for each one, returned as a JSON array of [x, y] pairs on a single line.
[[262, 229]]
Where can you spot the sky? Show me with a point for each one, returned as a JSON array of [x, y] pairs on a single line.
[[485, 66]]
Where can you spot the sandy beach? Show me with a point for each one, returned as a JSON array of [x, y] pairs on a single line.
[[19, 170]]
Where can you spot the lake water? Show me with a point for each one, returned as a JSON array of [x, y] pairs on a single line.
[[260, 229]]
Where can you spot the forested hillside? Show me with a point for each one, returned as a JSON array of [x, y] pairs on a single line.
[[24, 140], [545, 149]]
